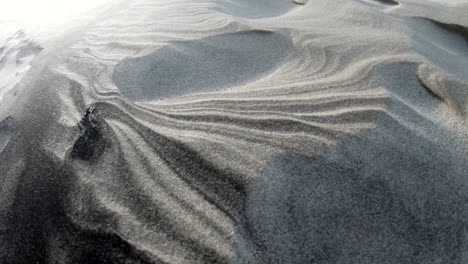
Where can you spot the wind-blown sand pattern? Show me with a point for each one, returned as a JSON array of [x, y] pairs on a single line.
[[211, 131]]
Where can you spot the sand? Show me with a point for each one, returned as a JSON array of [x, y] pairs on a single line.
[[236, 131], [16, 54], [216, 62]]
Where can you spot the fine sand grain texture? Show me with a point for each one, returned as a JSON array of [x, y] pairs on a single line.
[[235, 131]]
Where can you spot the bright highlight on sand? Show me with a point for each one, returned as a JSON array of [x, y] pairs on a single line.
[[45, 14]]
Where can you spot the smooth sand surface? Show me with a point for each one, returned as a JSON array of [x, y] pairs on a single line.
[[214, 62], [209, 131], [254, 8]]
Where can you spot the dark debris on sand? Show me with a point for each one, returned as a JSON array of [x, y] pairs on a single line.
[[91, 144]]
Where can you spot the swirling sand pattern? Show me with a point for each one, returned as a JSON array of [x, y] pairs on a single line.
[[348, 147]]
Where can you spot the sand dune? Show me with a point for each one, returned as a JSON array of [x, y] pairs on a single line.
[[237, 131]]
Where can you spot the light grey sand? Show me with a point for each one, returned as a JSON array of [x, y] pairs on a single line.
[[193, 66], [6, 131], [183, 132], [17, 51], [255, 8]]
